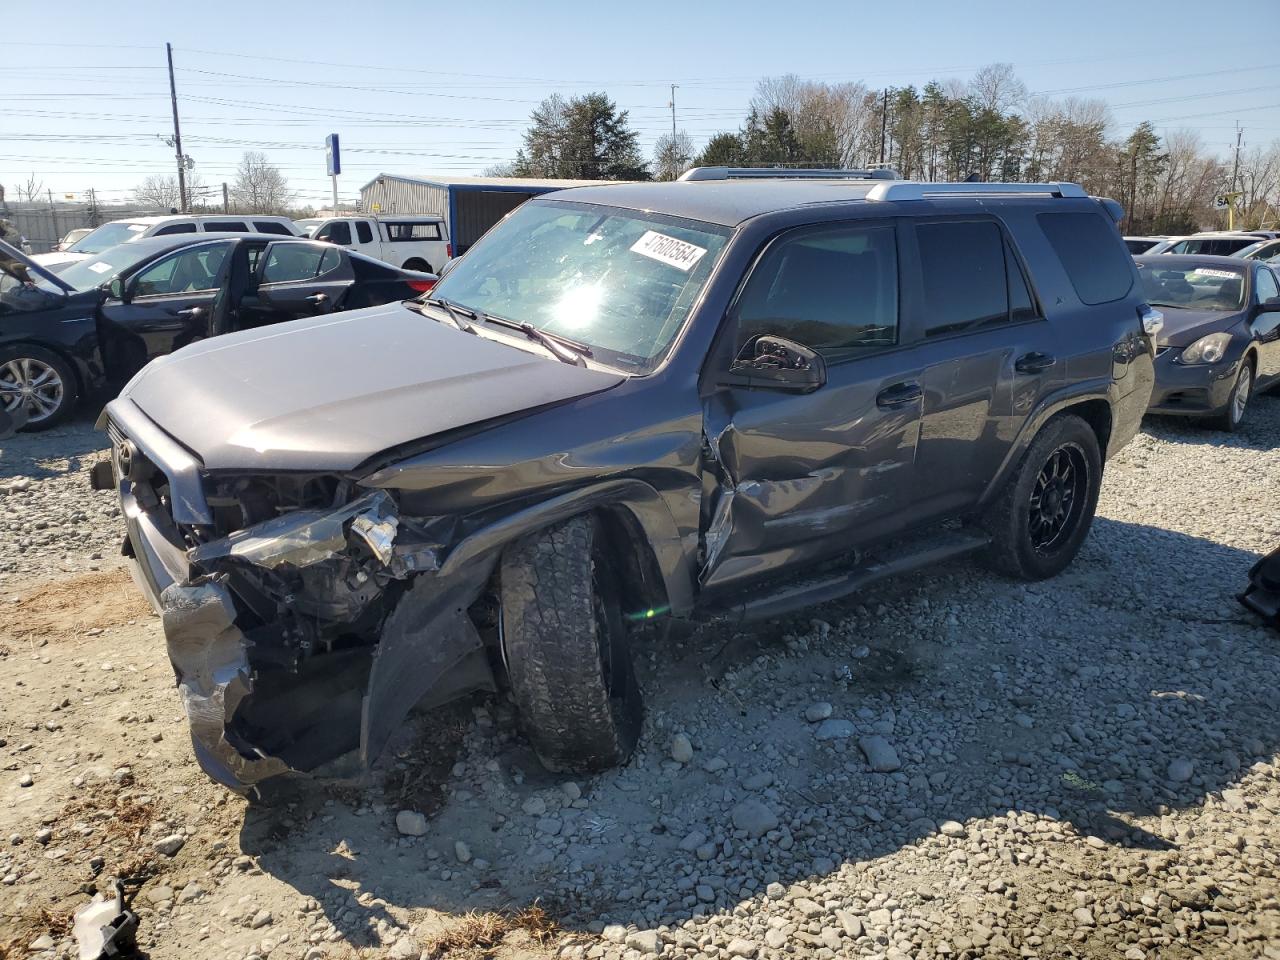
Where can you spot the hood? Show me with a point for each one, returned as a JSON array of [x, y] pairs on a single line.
[[1184, 327], [327, 394], [59, 260]]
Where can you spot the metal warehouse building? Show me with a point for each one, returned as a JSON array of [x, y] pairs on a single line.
[[469, 204]]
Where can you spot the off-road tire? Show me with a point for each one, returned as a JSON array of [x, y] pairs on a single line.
[[565, 645], [1013, 550], [63, 370], [1232, 418]]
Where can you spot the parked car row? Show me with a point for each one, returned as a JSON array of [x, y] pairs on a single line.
[[90, 327], [1249, 244]]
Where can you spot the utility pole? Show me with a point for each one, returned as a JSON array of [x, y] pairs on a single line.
[[884, 122], [1235, 169], [226, 202], [672, 105], [177, 132]]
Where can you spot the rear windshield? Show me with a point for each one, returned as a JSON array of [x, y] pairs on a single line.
[[1197, 287], [621, 281], [108, 235]]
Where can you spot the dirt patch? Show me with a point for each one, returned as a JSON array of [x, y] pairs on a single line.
[[63, 609]]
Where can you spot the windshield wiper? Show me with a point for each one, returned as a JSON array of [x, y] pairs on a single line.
[[452, 310], [562, 348]]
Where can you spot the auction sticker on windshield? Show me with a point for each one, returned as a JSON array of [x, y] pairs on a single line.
[[668, 250]]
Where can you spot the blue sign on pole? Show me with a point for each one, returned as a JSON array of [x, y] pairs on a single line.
[[332, 158]]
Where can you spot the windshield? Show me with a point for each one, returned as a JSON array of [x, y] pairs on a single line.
[[97, 270], [1193, 287], [23, 289], [108, 235], [621, 281]]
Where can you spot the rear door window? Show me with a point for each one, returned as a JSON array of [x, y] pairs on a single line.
[[966, 280], [226, 226], [363, 233], [293, 262], [834, 290], [1099, 267], [173, 228], [271, 226]]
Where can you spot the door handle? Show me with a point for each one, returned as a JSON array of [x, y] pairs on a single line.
[[318, 299], [899, 395], [191, 313], [1034, 362]]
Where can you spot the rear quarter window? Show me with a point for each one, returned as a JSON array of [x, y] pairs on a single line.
[[270, 226], [1099, 268]]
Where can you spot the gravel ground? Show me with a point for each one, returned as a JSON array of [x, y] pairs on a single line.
[[953, 765]]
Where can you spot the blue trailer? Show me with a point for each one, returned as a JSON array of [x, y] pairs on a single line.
[[468, 205]]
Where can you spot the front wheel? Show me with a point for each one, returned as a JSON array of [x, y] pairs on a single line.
[[1040, 520], [565, 645], [1231, 418], [38, 380]]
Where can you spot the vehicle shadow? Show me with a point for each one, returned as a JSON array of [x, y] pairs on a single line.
[[53, 452], [1260, 429], [1111, 694]]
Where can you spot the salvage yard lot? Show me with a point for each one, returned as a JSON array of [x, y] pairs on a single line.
[[1081, 767]]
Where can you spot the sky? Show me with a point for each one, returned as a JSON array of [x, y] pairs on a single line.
[[413, 87]]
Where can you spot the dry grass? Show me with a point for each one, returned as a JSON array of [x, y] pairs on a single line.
[[476, 933]]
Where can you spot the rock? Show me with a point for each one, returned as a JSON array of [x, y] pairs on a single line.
[[404, 949], [759, 781], [880, 754], [774, 938], [693, 841], [411, 823], [42, 942], [754, 818], [170, 845], [44, 835], [818, 712], [951, 828], [614, 933], [571, 790], [462, 851], [550, 826], [851, 925], [880, 918], [261, 919], [681, 748], [1083, 916], [1181, 770], [191, 892], [26, 780], [740, 947], [834, 730], [534, 807], [704, 893], [830, 938], [645, 941]]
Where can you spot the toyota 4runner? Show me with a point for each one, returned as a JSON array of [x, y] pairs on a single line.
[[709, 399]]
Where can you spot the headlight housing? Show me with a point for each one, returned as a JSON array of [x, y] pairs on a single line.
[[1208, 349]]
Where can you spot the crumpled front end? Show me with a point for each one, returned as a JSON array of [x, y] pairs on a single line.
[[299, 641]]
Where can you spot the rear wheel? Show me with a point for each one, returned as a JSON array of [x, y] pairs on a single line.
[[565, 644], [1040, 520], [417, 263], [38, 380], [1231, 418]]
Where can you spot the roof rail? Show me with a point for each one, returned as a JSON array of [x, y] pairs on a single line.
[[914, 190], [786, 173]]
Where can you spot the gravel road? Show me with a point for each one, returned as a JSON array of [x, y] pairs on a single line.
[[950, 766]]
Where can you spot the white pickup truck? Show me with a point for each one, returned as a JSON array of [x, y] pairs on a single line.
[[412, 242]]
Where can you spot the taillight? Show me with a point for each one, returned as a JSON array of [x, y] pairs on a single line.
[[448, 250], [422, 286]]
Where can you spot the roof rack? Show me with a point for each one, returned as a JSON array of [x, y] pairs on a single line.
[[787, 173], [914, 190]]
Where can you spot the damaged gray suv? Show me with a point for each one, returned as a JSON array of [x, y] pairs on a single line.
[[723, 398]]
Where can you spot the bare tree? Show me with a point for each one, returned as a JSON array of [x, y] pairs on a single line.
[[505, 168], [31, 189], [259, 186], [160, 190], [672, 155], [997, 88]]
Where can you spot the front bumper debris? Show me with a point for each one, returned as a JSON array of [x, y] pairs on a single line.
[[300, 643], [1262, 595]]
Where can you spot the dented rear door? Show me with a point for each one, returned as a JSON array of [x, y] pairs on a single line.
[[792, 478]]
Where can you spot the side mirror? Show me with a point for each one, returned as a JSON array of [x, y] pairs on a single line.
[[775, 363], [117, 289]]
